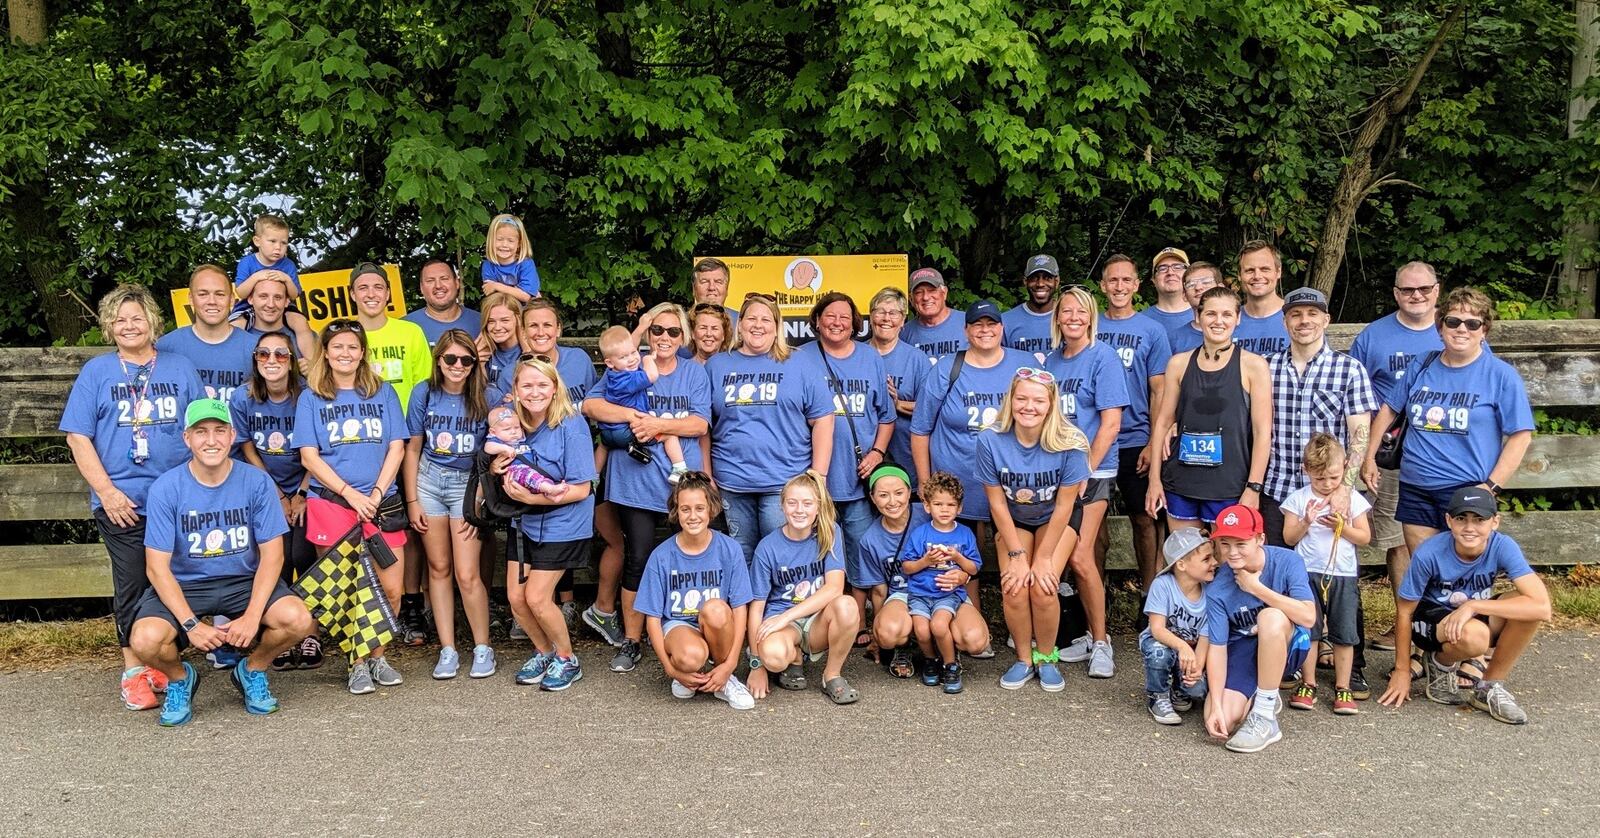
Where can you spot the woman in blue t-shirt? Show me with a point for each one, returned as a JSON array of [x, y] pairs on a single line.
[[711, 332], [771, 419], [905, 365], [1033, 467], [352, 436], [797, 607], [499, 338], [544, 546], [446, 420], [879, 554], [124, 425], [1470, 421]]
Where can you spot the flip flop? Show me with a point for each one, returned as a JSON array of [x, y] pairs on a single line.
[[792, 677], [863, 639], [839, 691], [900, 665]]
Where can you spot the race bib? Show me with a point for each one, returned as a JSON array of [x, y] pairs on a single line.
[[1200, 449]]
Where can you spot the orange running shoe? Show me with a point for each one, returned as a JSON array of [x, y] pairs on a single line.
[[137, 692]]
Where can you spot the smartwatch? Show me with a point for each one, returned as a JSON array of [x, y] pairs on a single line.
[[191, 624], [1494, 488], [1255, 486], [755, 663]]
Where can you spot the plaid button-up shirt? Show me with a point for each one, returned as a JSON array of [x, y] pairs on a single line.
[[1333, 388]]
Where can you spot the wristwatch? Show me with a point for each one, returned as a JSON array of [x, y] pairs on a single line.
[[1494, 488], [191, 624], [1256, 487], [755, 663]]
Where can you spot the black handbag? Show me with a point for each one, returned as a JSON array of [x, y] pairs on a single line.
[[1392, 443]]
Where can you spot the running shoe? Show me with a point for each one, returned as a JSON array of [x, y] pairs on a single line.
[[1160, 707], [360, 681], [223, 657], [562, 673], [1018, 676], [681, 692], [411, 629], [1344, 703], [1078, 650], [1359, 690], [986, 653], [627, 656], [533, 669], [1384, 642], [1304, 698], [1442, 686], [383, 673], [1493, 698], [253, 688], [569, 612], [1257, 732], [951, 679], [930, 672], [178, 708], [449, 663], [1101, 664], [138, 693], [517, 631], [608, 626], [484, 663], [735, 693], [310, 653], [287, 659]]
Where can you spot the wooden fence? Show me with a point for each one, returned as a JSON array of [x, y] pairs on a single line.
[[1559, 360]]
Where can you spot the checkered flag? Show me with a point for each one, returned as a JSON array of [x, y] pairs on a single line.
[[343, 593]]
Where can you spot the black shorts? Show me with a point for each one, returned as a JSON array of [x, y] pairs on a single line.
[[226, 596], [1131, 485], [1339, 609], [550, 555], [1425, 624], [1097, 490]]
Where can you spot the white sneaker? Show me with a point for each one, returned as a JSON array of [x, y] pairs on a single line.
[[1100, 660], [1078, 650], [737, 696], [680, 691]]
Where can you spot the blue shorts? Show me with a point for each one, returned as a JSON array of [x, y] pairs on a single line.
[[898, 596], [1424, 507], [224, 596], [1242, 676], [1191, 509], [927, 606]]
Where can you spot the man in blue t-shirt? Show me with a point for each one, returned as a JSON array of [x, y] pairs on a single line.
[[1447, 607], [441, 303], [219, 352], [1027, 326], [1261, 329], [214, 545], [933, 329], [1258, 611]]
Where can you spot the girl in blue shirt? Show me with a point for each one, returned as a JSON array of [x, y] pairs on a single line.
[[352, 440], [499, 338], [796, 584], [508, 266], [878, 553], [446, 424], [124, 425]]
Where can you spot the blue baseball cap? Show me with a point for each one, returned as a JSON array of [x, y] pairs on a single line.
[[981, 309]]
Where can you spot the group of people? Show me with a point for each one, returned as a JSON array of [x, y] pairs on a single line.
[[825, 497]]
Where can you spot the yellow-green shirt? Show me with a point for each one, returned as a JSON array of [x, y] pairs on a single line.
[[399, 354]]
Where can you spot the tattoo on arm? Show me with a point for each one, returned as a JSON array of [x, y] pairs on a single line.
[[1359, 436]]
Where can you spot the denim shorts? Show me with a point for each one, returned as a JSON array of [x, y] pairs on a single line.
[[668, 625], [440, 489], [927, 606]]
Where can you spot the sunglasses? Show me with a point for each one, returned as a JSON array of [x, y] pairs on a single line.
[[533, 356], [670, 331], [1416, 291], [270, 354], [452, 359], [1035, 374], [757, 295], [1473, 324], [344, 325]]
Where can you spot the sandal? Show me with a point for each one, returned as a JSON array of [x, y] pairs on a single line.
[[1471, 672], [1325, 655], [793, 677], [863, 639], [839, 691], [900, 665]]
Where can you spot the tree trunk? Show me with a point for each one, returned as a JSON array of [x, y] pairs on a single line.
[[1356, 180], [28, 21], [1575, 288]]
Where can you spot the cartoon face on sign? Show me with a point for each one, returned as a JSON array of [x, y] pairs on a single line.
[[214, 543], [352, 430], [275, 441], [803, 274], [1435, 418], [441, 442]]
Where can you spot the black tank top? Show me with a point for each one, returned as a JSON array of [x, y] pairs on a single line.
[[1211, 454]]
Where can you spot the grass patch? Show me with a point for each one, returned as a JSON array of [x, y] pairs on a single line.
[[25, 645]]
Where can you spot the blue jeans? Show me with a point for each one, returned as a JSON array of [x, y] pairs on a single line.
[[752, 516], [855, 518], [1161, 672]]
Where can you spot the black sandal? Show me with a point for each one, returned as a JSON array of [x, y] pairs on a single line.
[[900, 665], [793, 677], [863, 639], [839, 691]]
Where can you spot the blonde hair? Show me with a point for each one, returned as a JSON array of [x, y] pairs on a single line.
[[319, 378], [524, 249], [615, 340], [560, 408], [673, 308], [1321, 452], [893, 295], [209, 268], [128, 292], [270, 222], [827, 515], [490, 303], [780, 344], [1057, 434], [1085, 299]]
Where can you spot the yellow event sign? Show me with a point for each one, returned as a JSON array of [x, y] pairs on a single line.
[[797, 281], [324, 296]]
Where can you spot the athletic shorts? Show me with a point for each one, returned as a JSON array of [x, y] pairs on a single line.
[[1131, 485], [1189, 509], [1339, 609], [1386, 531], [1424, 507], [1097, 490], [327, 522], [1425, 624], [549, 555], [225, 596], [1242, 676]]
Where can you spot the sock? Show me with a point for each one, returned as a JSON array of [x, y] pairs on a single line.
[[1442, 665], [599, 613], [1266, 702], [680, 467], [132, 671]]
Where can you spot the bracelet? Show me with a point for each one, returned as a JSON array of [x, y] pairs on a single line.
[[879, 451], [1011, 554]]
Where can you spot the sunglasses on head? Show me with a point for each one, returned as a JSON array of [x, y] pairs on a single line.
[[270, 354], [1035, 374], [670, 331], [453, 359], [757, 295], [700, 308], [344, 324], [533, 356], [1473, 324]]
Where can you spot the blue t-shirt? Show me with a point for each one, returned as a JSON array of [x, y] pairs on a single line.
[[468, 321], [522, 274], [565, 453], [1172, 322], [223, 367], [860, 391], [952, 417], [923, 583], [675, 584], [1186, 339], [1261, 335], [449, 436], [498, 370], [107, 402], [761, 414], [907, 366], [1029, 475], [269, 426], [574, 366], [1386, 347], [1089, 382], [213, 532], [879, 552], [1142, 346], [1438, 574], [625, 388], [783, 572], [351, 433], [1186, 619], [1027, 330], [680, 394], [947, 338], [252, 263], [1231, 613], [1458, 418]]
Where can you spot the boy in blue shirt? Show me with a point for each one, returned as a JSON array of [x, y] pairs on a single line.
[[271, 256], [1258, 616], [626, 383], [931, 549], [1175, 645], [1446, 605]]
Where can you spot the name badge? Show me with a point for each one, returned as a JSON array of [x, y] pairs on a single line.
[[1200, 449], [141, 449]]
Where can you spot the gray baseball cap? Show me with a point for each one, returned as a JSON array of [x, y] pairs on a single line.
[[927, 276], [1306, 296], [1180, 543], [1042, 264]]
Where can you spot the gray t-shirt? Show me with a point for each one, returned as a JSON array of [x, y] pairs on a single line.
[[1186, 619]]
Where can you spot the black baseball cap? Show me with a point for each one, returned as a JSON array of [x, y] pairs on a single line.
[[1475, 500]]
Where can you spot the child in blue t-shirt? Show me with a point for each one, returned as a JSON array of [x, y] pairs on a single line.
[[508, 266], [931, 549], [1175, 644], [626, 383], [271, 241]]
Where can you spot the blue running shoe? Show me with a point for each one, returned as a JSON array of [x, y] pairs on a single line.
[[178, 708], [951, 678], [252, 687], [562, 673], [533, 670]]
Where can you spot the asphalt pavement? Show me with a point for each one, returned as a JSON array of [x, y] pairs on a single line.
[[617, 755]]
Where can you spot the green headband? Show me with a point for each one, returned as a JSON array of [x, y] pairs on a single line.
[[887, 470]]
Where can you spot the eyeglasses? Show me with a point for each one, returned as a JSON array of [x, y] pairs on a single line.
[[1415, 291], [1168, 267], [452, 359], [670, 331], [270, 354], [1036, 374], [1473, 324], [343, 324], [1201, 281]]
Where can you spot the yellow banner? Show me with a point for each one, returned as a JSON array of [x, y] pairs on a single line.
[[324, 297], [797, 281]]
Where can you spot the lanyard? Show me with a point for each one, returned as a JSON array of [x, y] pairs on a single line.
[[139, 384]]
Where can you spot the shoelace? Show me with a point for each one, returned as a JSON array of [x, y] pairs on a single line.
[[255, 686], [175, 696], [1497, 695]]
